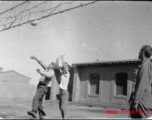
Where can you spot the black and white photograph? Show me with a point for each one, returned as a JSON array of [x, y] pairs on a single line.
[[76, 59]]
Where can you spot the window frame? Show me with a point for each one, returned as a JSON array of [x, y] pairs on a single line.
[[115, 90], [89, 85]]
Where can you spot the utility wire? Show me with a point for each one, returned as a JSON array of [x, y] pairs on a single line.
[[20, 16]]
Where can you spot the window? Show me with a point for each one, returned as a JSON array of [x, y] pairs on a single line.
[[121, 84], [94, 83]]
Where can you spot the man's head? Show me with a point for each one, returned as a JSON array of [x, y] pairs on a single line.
[[67, 67], [52, 66], [145, 51]]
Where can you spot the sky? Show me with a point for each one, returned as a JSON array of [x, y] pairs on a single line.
[[105, 30]]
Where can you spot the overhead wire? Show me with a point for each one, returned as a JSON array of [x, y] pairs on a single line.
[[19, 16]]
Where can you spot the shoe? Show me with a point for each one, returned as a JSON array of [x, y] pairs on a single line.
[[31, 113]]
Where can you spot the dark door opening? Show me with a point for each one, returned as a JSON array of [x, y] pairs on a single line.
[[47, 96]]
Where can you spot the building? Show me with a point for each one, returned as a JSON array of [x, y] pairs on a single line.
[[14, 77], [15, 86], [106, 83]]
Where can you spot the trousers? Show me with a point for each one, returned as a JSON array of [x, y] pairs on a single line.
[[63, 102], [38, 99]]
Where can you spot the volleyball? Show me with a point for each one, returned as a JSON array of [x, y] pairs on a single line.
[[34, 23]]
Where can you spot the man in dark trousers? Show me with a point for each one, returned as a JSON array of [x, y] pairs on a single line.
[[46, 77]]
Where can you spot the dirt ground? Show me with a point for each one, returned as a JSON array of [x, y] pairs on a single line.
[[14, 109]]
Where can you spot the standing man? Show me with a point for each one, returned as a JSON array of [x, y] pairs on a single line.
[[142, 100], [63, 84], [46, 77]]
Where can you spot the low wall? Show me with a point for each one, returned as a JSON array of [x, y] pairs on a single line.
[[17, 91]]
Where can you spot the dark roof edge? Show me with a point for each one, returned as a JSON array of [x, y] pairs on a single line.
[[108, 62]]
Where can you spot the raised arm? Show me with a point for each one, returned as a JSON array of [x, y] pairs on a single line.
[[57, 62], [64, 64], [44, 66]]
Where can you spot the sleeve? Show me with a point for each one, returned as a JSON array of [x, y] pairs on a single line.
[[143, 76], [48, 74], [57, 63], [64, 66], [43, 64]]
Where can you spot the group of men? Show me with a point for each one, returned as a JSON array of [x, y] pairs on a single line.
[[62, 74], [141, 98]]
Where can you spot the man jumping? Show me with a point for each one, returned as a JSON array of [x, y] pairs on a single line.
[[63, 79], [46, 77]]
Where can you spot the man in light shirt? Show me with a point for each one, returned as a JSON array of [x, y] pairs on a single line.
[[63, 79], [46, 77]]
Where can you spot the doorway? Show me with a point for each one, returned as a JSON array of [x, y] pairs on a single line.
[[47, 96]]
